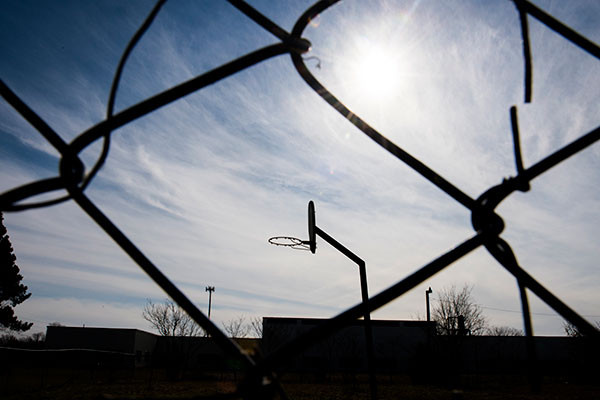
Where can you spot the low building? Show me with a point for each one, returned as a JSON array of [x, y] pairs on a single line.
[[137, 348], [396, 344], [399, 347], [127, 344], [413, 347]]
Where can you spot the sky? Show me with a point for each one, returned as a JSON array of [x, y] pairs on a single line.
[[201, 184]]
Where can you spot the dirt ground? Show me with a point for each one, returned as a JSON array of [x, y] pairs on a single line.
[[56, 384]]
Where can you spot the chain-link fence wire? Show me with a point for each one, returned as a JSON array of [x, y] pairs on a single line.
[[260, 381]]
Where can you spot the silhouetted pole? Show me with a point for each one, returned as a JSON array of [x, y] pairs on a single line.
[[209, 289], [427, 293], [362, 268]]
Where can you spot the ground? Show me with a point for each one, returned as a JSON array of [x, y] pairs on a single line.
[[68, 384]]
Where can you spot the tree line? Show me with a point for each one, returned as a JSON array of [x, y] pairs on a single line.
[[168, 319], [454, 311]]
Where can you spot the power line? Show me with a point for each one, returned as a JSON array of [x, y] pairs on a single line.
[[534, 313]]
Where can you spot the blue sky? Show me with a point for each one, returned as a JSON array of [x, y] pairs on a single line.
[[201, 184]]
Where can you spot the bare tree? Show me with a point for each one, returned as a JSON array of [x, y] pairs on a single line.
[[236, 327], [456, 313], [170, 320], [38, 337], [256, 327], [503, 331], [572, 331]]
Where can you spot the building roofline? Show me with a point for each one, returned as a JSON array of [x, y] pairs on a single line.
[[89, 328], [374, 322]]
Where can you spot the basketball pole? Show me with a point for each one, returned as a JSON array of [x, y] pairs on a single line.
[[311, 244], [362, 268]]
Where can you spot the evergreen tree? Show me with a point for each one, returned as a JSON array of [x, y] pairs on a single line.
[[12, 291]]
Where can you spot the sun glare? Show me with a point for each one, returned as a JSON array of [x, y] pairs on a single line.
[[376, 71]]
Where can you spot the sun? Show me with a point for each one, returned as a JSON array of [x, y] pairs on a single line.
[[376, 70]]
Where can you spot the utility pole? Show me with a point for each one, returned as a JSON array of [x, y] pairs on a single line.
[[427, 293], [210, 290]]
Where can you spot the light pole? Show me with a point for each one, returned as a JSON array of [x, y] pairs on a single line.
[[427, 293], [210, 290]]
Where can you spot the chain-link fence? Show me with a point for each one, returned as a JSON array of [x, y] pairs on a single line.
[[487, 223]]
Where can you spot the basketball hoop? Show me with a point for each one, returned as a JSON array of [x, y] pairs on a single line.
[[291, 242], [298, 244]]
